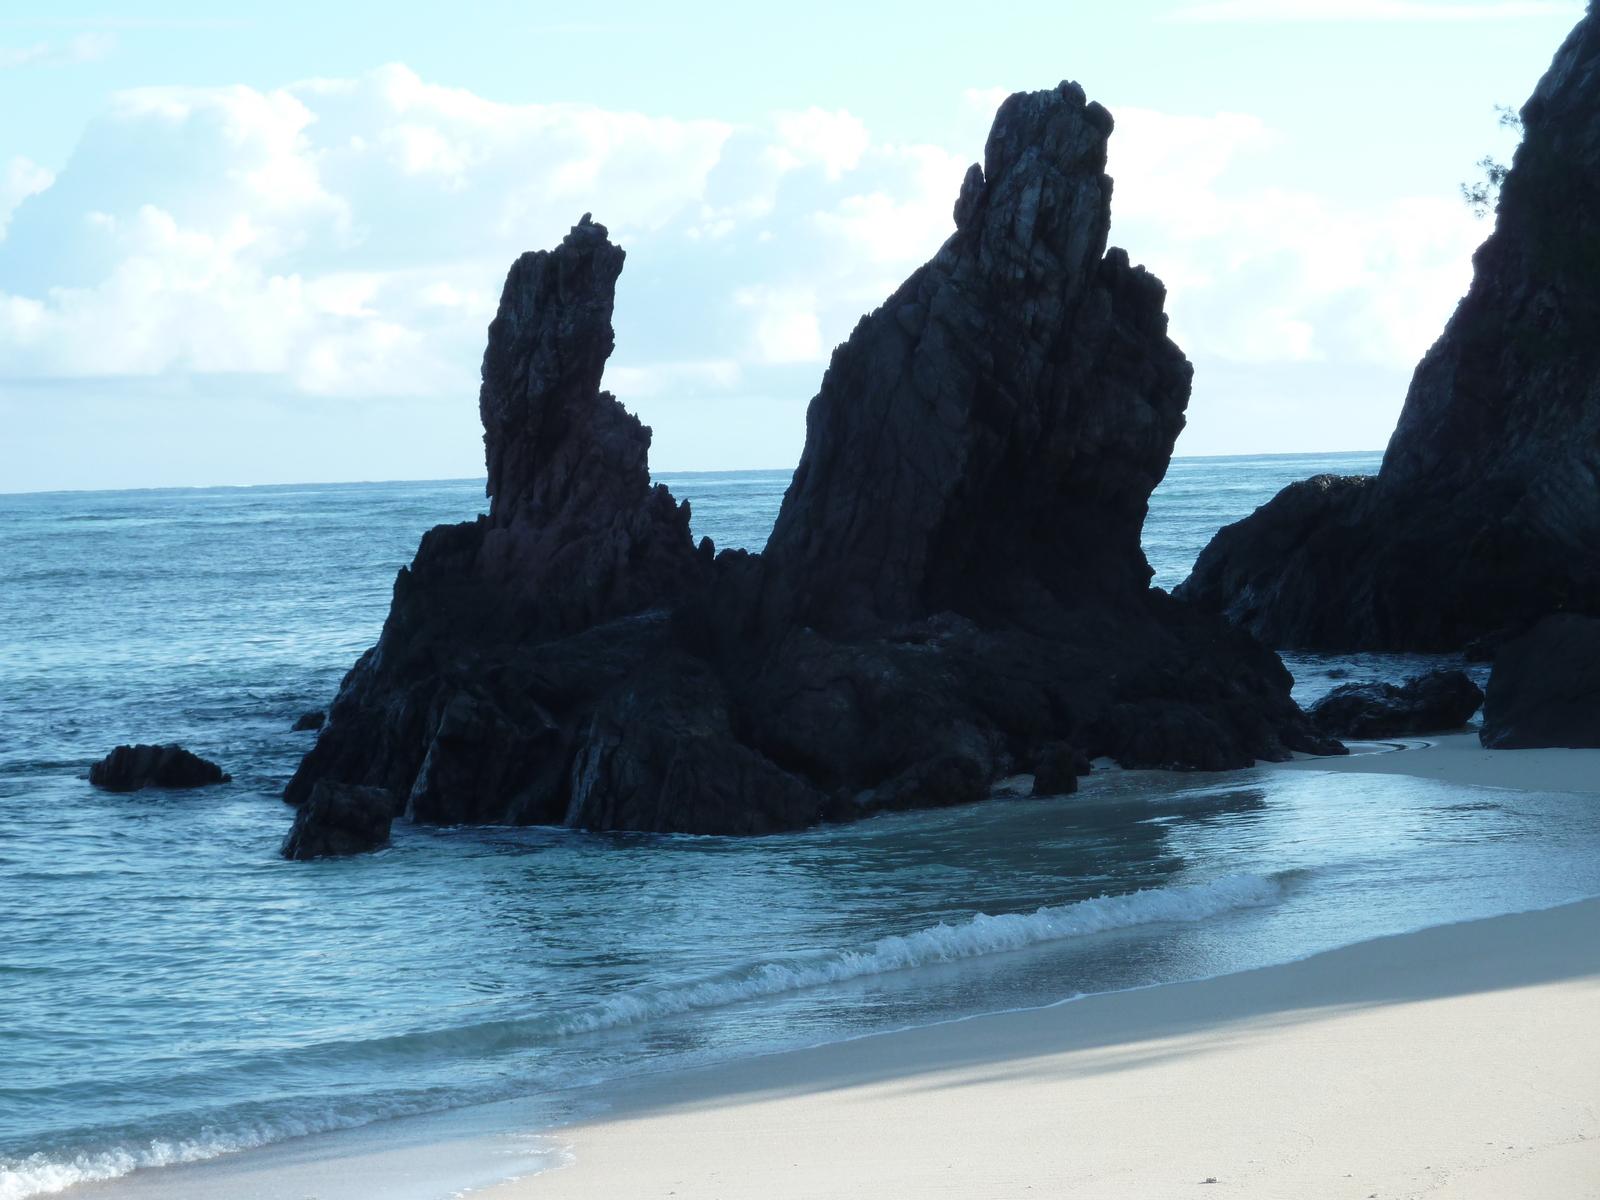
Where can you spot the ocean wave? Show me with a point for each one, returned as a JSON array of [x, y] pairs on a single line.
[[942, 943], [42, 1174]]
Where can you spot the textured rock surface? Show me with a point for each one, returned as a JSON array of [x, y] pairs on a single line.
[[130, 768], [1486, 512], [954, 590], [986, 442], [339, 819], [1544, 688], [1428, 703]]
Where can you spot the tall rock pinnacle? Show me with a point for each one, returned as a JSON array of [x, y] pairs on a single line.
[[987, 440], [954, 591]]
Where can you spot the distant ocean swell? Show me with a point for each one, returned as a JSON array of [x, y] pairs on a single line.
[[44, 1173]]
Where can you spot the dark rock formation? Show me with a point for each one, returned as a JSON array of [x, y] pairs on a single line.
[[1544, 689], [130, 768], [1056, 769], [310, 721], [954, 587], [1428, 703], [1486, 512], [339, 819]]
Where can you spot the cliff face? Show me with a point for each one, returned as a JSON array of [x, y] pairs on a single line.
[[954, 590], [1485, 514]]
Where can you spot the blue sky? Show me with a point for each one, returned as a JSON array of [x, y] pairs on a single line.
[[249, 244]]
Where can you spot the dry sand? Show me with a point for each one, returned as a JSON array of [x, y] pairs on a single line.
[[1459, 1062]]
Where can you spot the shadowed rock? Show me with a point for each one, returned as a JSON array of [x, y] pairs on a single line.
[[1429, 703], [339, 819], [1056, 769], [310, 722], [1486, 513], [1544, 688], [130, 768], [954, 588]]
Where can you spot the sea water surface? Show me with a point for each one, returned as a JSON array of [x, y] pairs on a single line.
[[172, 990]]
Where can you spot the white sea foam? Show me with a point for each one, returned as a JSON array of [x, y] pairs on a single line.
[[40, 1174], [942, 943]]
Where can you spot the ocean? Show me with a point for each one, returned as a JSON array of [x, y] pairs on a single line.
[[173, 991]]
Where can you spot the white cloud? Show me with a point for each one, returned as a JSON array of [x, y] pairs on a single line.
[[1269, 275], [20, 180], [349, 236], [340, 240], [671, 378], [786, 329], [1370, 10], [85, 48], [834, 141]]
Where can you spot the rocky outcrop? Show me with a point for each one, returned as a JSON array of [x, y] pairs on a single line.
[[1544, 688], [1428, 703], [339, 819], [132, 768], [1056, 769], [310, 722], [1486, 512], [954, 591]]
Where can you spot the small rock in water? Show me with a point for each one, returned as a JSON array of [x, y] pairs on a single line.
[[1426, 704], [1056, 769], [340, 818], [310, 720], [130, 768]]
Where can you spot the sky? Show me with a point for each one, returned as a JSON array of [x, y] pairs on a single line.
[[245, 244]]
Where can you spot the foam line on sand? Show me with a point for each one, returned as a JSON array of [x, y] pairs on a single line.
[[1461, 1062], [1459, 758]]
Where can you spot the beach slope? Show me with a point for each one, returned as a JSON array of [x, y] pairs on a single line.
[[1461, 1061]]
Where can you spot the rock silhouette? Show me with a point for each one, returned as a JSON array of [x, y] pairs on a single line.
[[1428, 703], [954, 590], [1485, 515], [1544, 688], [131, 768]]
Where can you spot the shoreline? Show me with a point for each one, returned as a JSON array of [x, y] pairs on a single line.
[[702, 1119], [1460, 758], [1459, 1061]]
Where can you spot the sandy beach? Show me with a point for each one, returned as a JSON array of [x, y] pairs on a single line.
[[1461, 1061]]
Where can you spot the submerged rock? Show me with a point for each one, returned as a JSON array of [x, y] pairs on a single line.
[[1486, 512], [954, 585], [339, 819], [130, 768], [1544, 688], [1428, 703]]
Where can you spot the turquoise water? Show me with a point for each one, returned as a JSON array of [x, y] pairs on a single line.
[[173, 990]]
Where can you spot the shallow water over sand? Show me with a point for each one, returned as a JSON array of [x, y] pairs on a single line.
[[175, 990]]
